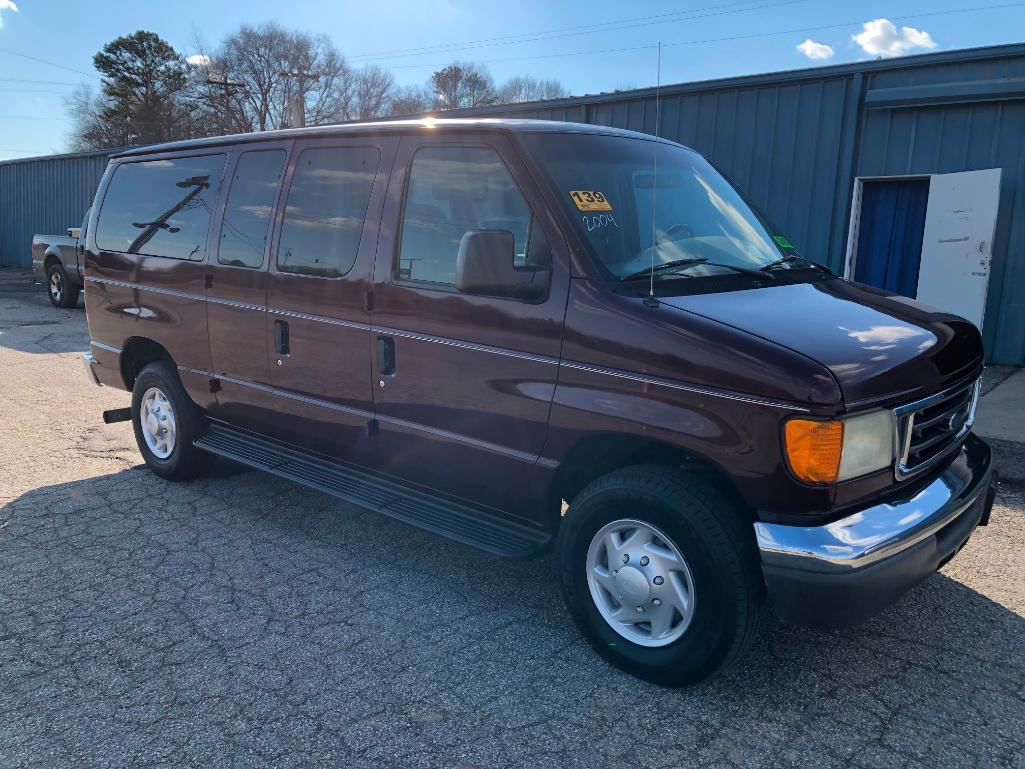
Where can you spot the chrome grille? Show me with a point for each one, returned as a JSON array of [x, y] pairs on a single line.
[[929, 427]]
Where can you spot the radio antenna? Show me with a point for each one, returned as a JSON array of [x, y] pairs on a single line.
[[650, 300]]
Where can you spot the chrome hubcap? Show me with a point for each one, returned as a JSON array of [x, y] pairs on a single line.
[[159, 428], [640, 583], [56, 289]]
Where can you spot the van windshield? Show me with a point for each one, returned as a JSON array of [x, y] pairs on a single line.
[[686, 215]]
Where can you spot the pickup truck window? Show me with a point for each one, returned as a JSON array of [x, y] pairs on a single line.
[[452, 190], [161, 207], [249, 208], [327, 206]]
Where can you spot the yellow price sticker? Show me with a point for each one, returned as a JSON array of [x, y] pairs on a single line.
[[590, 200]]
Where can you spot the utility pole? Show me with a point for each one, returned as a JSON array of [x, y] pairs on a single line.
[[227, 85], [299, 107]]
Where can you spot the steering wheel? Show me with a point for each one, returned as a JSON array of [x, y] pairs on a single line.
[[668, 234]]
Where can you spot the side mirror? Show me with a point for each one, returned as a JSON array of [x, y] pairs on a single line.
[[485, 265], [73, 232]]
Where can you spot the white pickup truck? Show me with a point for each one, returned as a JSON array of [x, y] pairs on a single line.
[[57, 260]]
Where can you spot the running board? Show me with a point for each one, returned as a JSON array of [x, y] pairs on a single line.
[[437, 515]]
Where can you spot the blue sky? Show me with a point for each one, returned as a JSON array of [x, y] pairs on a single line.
[[69, 32]]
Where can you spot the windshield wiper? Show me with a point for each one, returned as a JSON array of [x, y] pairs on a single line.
[[692, 261], [794, 258]]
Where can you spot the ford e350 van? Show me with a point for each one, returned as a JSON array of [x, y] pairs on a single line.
[[532, 336]]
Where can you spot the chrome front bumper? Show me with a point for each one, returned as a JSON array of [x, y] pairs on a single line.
[[843, 572]]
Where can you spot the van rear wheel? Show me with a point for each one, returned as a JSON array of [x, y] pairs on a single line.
[[660, 573], [166, 421]]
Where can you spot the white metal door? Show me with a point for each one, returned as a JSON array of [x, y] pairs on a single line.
[[957, 247]]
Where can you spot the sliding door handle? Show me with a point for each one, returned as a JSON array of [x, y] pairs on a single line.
[[281, 345], [386, 355]]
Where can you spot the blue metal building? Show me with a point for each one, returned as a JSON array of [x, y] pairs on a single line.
[[834, 155], [44, 195]]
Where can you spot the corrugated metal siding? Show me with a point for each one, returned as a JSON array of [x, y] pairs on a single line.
[[44, 195]]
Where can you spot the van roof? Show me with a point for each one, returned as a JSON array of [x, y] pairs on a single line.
[[444, 125]]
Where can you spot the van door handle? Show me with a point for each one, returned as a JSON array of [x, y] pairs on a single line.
[[386, 355], [281, 337]]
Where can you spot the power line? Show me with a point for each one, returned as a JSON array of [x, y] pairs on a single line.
[[39, 82], [650, 46], [583, 29], [31, 117], [31, 90], [51, 63]]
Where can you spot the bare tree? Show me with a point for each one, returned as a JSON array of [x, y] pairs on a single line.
[[526, 88], [255, 57], [372, 89], [463, 85], [273, 66], [89, 131], [320, 76], [214, 99], [411, 100]]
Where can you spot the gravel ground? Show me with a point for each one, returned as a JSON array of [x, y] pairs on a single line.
[[241, 620]]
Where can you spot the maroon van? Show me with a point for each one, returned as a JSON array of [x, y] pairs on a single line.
[[531, 335]]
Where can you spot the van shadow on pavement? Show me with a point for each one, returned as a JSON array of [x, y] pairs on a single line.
[[241, 619]]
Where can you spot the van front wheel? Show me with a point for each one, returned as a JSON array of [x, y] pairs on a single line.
[[166, 421], [660, 573]]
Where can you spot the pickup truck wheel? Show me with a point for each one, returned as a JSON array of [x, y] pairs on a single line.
[[59, 289], [660, 573], [166, 421]]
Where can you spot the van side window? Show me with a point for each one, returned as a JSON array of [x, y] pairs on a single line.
[[249, 209], [161, 207], [452, 190], [327, 206]]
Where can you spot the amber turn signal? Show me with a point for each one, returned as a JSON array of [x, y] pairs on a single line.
[[814, 448]]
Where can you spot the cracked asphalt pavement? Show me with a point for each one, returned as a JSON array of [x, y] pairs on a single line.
[[241, 620]]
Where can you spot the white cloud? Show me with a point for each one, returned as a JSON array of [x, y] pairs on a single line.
[[882, 38], [196, 59], [7, 5], [814, 50]]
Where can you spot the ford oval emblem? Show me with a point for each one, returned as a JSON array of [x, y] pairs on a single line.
[[957, 420]]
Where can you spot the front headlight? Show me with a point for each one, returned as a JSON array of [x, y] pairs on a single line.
[[867, 444], [839, 449]]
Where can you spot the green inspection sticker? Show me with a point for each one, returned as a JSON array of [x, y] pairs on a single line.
[[781, 241]]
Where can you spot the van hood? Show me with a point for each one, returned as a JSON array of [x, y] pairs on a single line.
[[878, 346]]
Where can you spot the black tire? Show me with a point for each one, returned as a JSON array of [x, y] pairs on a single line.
[[185, 460], [713, 535], [59, 289]]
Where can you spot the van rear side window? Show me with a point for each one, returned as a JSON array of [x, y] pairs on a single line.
[[250, 206], [161, 207], [327, 205]]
